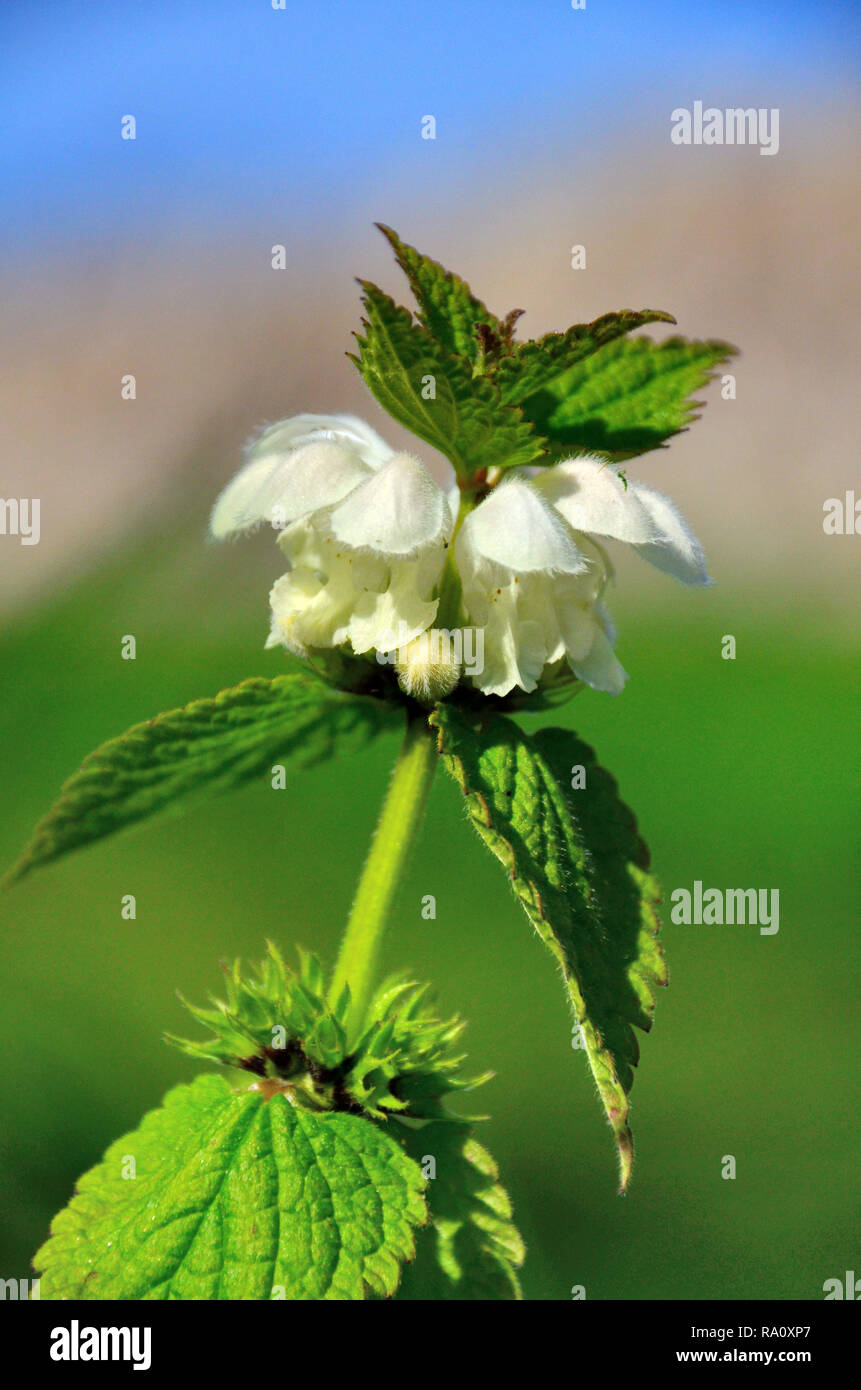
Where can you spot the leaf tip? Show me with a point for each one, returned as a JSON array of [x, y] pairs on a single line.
[[625, 1142]]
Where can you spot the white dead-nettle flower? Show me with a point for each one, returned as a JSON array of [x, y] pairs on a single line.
[[365, 532]]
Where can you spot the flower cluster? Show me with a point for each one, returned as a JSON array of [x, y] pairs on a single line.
[[372, 544]]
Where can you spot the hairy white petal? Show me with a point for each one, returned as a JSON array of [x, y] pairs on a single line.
[[515, 528], [396, 512], [515, 649], [313, 604], [591, 497], [429, 667], [234, 510], [403, 611], [677, 550], [314, 477], [604, 618], [299, 430], [600, 668], [296, 466], [452, 494]]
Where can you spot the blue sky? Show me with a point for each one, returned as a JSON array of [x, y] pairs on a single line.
[[242, 107]]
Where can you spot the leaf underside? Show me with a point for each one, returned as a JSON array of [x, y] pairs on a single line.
[[211, 745], [579, 868], [471, 1249], [236, 1197]]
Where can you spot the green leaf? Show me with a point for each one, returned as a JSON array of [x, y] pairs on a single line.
[[471, 1248], [628, 396], [448, 309], [465, 418], [534, 365], [208, 746], [579, 868], [238, 1197]]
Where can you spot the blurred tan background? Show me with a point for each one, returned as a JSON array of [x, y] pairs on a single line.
[[760, 251]]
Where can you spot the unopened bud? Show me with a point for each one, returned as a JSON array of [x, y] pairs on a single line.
[[428, 668]]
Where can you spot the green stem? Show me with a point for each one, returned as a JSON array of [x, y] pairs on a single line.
[[449, 613], [390, 848]]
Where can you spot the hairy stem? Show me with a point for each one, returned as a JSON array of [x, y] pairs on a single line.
[[390, 849]]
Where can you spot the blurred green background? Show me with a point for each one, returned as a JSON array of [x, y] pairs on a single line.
[[257, 128]]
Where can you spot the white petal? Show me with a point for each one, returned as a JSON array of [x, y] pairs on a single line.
[[313, 477], [396, 512], [592, 498], [515, 650], [234, 504], [452, 494], [296, 466], [604, 617], [347, 430], [677, 551], [335, 593], [513, 527], [312, 605], [394, 618], [600, 668]]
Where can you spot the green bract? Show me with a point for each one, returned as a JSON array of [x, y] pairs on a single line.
[[435, 393], [460, 381], [279, 1026]]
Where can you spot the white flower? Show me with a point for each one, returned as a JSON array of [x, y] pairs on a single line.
[[535, 587], [365, 532], [533, 572]]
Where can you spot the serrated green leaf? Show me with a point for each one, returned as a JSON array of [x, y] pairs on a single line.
[[532, 366], [237, 1197], [208, 746], [471, 1249], [579, 868], [447, 307], [629, 396], [465, 419]]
